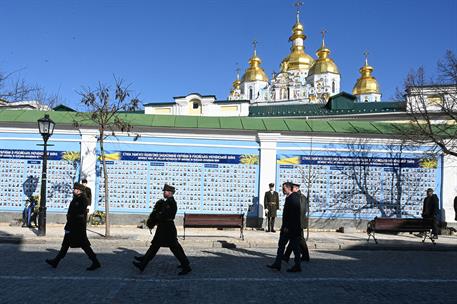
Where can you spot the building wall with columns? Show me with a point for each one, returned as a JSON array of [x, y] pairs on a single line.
[[350, 178]]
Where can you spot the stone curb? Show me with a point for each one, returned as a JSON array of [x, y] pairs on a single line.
[[312, 245]]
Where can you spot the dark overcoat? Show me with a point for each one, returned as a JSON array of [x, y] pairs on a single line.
[[271, 203], [431, 207], [291, 217], [163, 216], [75, 228], [304, 210]]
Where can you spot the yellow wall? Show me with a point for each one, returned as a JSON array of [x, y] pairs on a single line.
[[161, 111], [229, 108], [191, 110]]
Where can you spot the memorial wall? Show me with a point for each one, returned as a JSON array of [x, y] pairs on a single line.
[[216, 175]]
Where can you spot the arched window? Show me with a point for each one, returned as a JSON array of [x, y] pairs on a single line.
[[333, 86], [251, 93], [288, 93]]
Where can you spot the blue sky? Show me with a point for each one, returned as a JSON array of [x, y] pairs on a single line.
[[172, 48]]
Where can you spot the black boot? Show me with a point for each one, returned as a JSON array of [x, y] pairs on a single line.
[[274, 267], [95, 264], [185, 270], [139, 265], [139, 258], [53, 262], [295, 268]]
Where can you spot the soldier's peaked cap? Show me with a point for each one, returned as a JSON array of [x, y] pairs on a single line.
[[79, 186], [167, 187]]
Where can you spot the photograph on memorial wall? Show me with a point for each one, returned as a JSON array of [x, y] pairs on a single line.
[[20, 178], [346, 185], [208, 183]]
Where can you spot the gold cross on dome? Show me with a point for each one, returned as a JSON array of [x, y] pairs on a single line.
[[366, 57], [254, 44]]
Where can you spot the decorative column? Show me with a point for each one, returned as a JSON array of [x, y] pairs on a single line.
[[449, 189], [89, 161], [267, 167]]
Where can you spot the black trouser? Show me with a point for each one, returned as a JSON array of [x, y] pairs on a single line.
[[175, 247], [270, 223], [435, 226], [66, 244], [294, 243], [303, 248]]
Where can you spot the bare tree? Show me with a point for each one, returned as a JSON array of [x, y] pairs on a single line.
[[432, 106], [14, 88], [105, 106]]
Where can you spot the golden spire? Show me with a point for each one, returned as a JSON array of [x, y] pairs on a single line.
[[366, 84], [323, 64], [298, 59], [254, 72], [237, 82]]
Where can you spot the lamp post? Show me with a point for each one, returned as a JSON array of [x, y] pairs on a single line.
[[46, 128]]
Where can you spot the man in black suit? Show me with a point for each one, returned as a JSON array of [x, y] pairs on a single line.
[[271, 203], [304, 213], [290, 229], [163, 216]]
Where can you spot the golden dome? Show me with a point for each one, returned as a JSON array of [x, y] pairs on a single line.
[[323, 64], [366, 84], [254, 72], [298, 59]]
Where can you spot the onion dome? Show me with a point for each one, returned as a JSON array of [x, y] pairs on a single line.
[[323, 64], [366, 84], [254, 72], [298, 59]]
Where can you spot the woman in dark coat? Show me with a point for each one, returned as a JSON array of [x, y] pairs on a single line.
[[75, 229], [163, 216]]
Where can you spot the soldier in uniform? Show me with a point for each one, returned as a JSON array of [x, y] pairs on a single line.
[[304, 211], [163, 216], [271, 203], [75, 229], [290, 229]]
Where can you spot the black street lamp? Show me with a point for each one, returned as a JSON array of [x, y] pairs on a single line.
[[46, 128]]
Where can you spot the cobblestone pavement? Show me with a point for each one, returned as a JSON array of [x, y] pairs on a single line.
[[227, 275]]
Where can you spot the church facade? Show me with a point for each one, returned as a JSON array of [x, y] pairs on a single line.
[[302, 79]]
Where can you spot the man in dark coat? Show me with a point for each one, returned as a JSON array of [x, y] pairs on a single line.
[[430, 210], [290, 229], [163, 216], [75, 229], [304, 212], [271, 203]]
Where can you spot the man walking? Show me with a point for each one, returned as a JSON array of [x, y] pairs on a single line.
[[430, 211], [271, 203], [163, 216], [304, 211], [290, 229], [75, 229]]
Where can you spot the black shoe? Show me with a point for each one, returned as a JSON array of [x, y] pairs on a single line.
[[268, 230], [185, 270], [305, 258], [139, 258], [294, 268], [139, 265], [95, 264], [53, 262], [273, 230], [274, 267]]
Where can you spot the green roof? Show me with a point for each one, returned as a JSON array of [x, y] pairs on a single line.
[[66, 119], [338, 106]]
